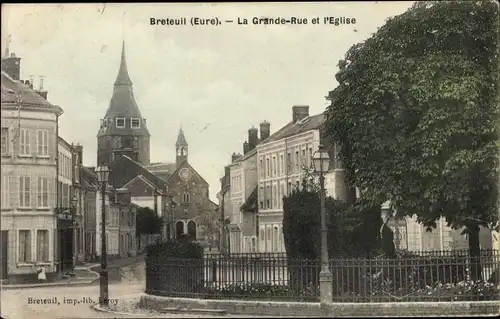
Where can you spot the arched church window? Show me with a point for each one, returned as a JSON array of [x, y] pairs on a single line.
[[179, 229], [191, 230], [186, 197]]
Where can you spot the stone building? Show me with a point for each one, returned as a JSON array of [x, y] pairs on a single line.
[[29, 125], [123, 130], [175, 191]]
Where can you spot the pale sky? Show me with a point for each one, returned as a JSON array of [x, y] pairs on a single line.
[[215, 81]]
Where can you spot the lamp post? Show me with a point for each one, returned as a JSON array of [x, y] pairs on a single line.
[[74, 202], [103, 175], [321, 162]]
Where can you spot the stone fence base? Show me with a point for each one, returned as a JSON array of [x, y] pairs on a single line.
[[308, 309]]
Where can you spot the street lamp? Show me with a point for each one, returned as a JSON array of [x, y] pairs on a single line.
[[103, 176], [74, 202], [321, 162]]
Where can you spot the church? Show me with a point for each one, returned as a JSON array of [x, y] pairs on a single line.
[[176, 191]]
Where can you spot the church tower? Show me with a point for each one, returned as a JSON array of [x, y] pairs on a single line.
[[123, 130], [181, 148]]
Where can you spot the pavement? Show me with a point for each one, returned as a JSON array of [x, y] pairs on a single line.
[[84, 275]]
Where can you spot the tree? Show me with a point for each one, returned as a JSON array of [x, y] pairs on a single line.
[[416, 114], [148, 222]]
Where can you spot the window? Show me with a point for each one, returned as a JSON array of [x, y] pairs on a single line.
[[261, 168], [186, 197], [42, 245], [24, 142], [135, 122], [43, 192], [5, 141], [282, 164], [274, 166], [105, 123], [275, 203], [297, 162], [65, 195], [24, 246], [304, 158], [289, 188], [5, 191], [42, 142], [24, 191], [120, 122], [268, 197], [282, 187], [276, 239], [289, 162], [309, 163], [268, 167], [261, 197]]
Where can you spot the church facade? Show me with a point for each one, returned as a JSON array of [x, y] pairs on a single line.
[[175, 191]]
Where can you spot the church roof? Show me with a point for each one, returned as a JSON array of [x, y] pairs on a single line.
[[123, 104], [162, 170], [181, 139], [124, 169], [123, 78], [27, 96]]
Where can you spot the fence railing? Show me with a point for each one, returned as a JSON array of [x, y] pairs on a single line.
[[428, 276]]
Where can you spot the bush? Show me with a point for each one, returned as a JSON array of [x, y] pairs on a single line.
[[174, 268]]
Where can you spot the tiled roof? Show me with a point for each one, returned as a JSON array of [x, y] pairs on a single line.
[[123, 104], [28, 96], [310, 123], [134, 169], [89, 177]]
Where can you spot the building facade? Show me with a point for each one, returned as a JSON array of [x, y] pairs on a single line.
[[29, 125], [90, 189]]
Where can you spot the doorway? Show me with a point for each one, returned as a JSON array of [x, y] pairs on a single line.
[[4, 253]]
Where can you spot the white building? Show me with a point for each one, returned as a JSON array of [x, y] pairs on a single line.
[[281, 161], [28, 176]]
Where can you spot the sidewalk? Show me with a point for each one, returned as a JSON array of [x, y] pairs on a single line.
[[84, 276]]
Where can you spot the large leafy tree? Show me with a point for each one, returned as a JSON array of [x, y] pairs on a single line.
[[148, 222], [416, 114]]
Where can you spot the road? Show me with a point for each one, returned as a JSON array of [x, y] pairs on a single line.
[[28, 303]]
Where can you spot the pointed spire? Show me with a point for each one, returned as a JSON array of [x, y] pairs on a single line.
[[123, 78], [181, 140]]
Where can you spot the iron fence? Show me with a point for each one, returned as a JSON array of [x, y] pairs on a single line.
[[428, 276]]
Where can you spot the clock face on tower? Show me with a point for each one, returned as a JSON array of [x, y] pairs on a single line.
[[185, 173]]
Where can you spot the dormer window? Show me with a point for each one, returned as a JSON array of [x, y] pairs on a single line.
[[104, 123], [120, 122], [135, 122]]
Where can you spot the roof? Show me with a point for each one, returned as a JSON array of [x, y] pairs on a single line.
[[27, 96], [125, 162], [191, 167], [123, 78], [123, 104], [181, 139], [161, 167], [309, 123], [89, 177], [147, 181], [246, 156]]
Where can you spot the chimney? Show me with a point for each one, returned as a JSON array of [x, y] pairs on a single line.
[[235, 156], [265, 130], [246, 146], [79, 151], [12, 66], [300, 112], [253, 138]]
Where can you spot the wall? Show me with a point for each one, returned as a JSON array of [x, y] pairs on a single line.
[[37, 163]]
